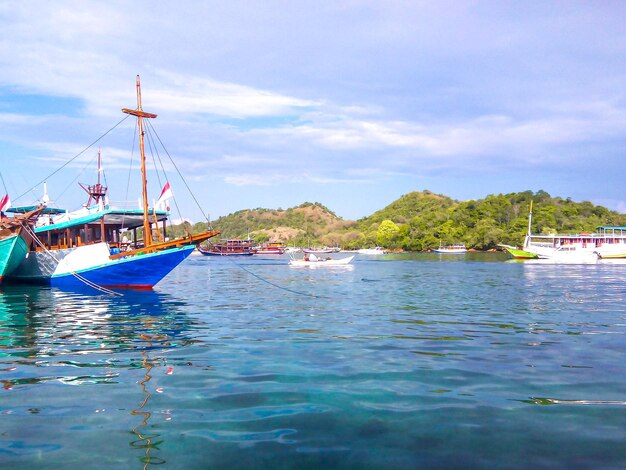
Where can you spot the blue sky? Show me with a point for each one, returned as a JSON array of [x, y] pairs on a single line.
[[348, 103]]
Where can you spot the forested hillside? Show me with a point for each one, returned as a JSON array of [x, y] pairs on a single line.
[[419, 221]]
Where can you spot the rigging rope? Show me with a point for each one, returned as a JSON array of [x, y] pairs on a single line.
[[75, 178], [179, 173], [32, 233], [306, 294], [73, 158]]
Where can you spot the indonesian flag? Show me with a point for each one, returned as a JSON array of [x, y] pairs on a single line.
[[5, 203], [166, 193]]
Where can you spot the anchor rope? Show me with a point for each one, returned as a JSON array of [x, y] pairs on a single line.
[[306, 294]]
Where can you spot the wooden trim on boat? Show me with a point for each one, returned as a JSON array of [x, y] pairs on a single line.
[[178, 243]]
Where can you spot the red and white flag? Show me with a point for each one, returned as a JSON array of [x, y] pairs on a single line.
[[166, 193], [5, 203]]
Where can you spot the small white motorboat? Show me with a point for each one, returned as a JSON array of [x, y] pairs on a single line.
[[314, 260], [372, 251]]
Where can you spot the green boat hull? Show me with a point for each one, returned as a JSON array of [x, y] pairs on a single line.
[[13, 250], [519, 254]]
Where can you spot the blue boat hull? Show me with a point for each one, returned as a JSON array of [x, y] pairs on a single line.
[[138, 272]]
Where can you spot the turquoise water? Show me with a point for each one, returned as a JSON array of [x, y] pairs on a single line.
[[402, 361]]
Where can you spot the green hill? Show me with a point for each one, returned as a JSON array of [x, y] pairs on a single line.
[[419, 221]]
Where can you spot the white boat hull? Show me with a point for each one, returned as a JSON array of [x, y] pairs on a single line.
[[587, 252], [371, 251], [321, 262]]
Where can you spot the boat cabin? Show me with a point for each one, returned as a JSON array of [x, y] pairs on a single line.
[[121, 229]]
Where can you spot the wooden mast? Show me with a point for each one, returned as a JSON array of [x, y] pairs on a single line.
[[147, 231], [148, 242]]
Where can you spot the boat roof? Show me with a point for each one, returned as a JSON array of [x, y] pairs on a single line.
[[128, 218], [25, 209], [611, 227]]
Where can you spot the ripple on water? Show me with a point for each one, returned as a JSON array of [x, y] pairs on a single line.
[[407, 362]]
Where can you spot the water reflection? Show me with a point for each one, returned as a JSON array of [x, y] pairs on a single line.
[[145, 441], [45, 323], [49, 336]]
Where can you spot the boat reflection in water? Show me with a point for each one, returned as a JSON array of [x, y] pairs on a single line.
[[52, 339]]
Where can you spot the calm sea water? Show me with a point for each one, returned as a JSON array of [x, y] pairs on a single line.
[[402, 361]]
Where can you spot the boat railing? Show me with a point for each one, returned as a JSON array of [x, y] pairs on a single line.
[[195, 239], [540, 244]]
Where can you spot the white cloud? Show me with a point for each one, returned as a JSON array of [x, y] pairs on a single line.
[[326, 92]]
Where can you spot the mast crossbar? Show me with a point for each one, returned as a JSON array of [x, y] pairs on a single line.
[[138, 113]]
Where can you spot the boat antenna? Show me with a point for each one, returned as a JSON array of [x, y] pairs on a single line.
[[140, 114], [71, 159], [97, 191]]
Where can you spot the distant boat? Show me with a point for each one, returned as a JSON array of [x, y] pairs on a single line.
[[459, 248], [15, 238], [89, 246], [313, 260], [322, 251], [270, 248], [229, 247], [607, 242], [372, 251]]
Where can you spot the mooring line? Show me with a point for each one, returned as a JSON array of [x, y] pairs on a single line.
[[306, 294]]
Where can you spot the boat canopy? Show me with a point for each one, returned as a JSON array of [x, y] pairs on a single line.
[[126, 218], [611, 228], [25, 209]]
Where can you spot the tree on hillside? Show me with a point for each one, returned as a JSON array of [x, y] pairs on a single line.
[[387, 233], [419, 221]]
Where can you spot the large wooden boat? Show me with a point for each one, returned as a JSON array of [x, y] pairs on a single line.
[[271, 248], [91, 245], [15, 237], [228, 247]]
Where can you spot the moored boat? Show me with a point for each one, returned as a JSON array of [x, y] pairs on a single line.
[[518, 253], [313, 260], [372, 251], [322, 251], [90, 245], [270, 248], [15, 238], [228, 247], [607, 242], [459, 248]]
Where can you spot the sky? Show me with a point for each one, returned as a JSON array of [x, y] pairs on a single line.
[[352, 104]]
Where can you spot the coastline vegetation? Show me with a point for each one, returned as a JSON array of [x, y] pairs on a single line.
[[417, 221]]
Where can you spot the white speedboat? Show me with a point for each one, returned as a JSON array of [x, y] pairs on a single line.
[[372, 251], [314, 260], [451, 249]]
